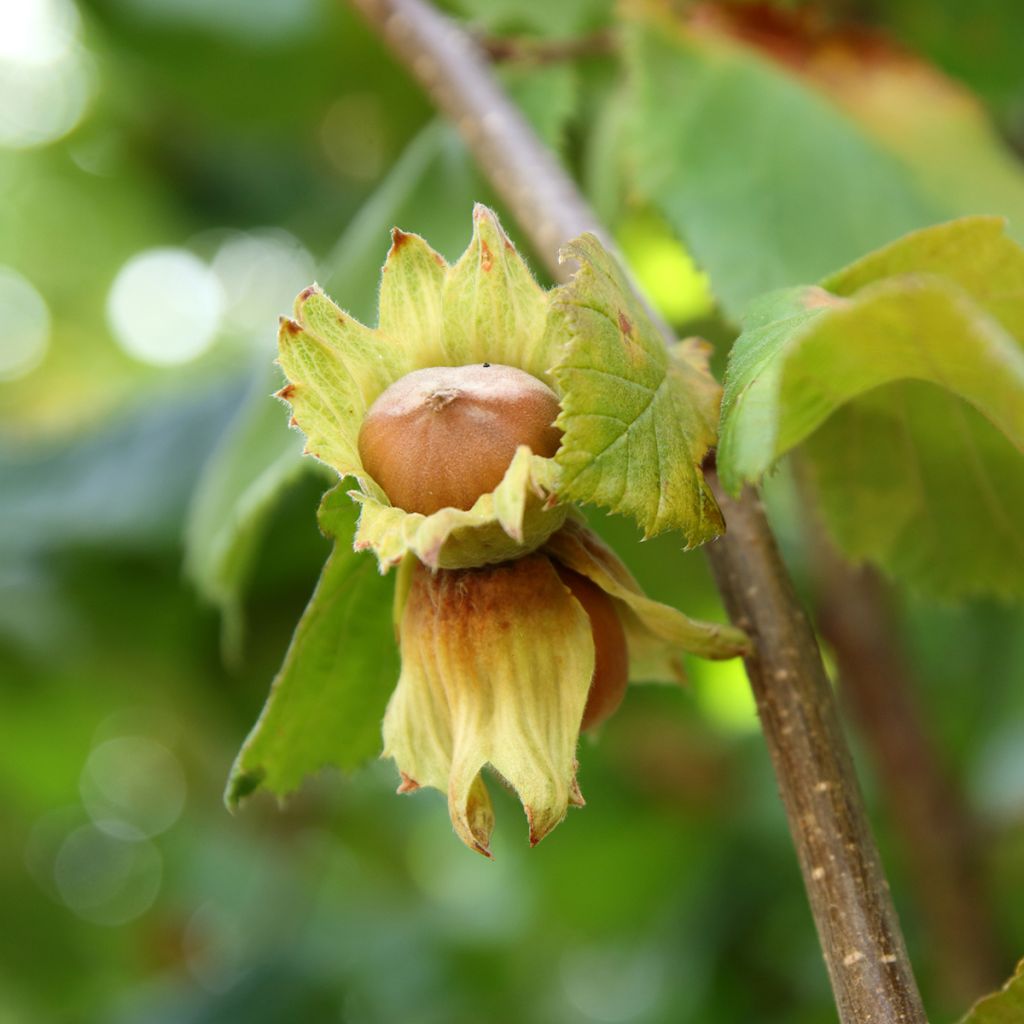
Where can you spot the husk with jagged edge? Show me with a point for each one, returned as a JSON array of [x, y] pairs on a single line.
[[487, 307], [497, 653]]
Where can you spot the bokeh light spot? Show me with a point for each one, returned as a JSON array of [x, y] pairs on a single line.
[[614, 985], [165, 306], [106, 880], [132, 787], [261, 272], [24, 323], [998, 776], [488, 900], [45, 73], [37, 31]]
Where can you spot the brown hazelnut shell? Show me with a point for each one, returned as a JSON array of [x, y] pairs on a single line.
[[441, 437]]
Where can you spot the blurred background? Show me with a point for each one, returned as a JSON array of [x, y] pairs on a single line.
[[172, 172]]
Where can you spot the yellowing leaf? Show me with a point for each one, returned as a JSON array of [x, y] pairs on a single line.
[[411, 308], [975, 252], [638, 419], [914, 327]]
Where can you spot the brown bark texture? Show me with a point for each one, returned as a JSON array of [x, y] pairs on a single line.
[[935, 830]]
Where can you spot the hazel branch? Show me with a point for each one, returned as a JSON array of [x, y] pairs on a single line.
[[867, 961], [860, 935], [938, 835], [455, 74]]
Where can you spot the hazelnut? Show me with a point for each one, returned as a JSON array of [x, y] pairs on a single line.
[[441, 437], [611, 656]]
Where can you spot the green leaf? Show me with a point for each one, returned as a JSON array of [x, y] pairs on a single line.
[[933, 123], [604, 174], [768, 183], [908, 475], [1003, 1007], [975, 252], [546, 94], [788, 377], [920, 483], [253, 463], [638, 419], [326, 704]]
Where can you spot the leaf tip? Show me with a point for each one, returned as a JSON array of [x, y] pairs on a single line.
[[399, 239], [575, 795], [486, 222], [541, 824], [408, 783], [241, 785], [289, 328], [306, 294], [482, 212]]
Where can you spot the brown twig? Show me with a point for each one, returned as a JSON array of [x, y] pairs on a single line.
[[455, 74], [929, 817], [860, 935]]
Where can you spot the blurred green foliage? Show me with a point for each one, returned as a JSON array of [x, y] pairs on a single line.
[[267, 140]]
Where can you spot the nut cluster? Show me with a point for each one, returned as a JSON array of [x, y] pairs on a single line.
[[444, 436], [517, 626]]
